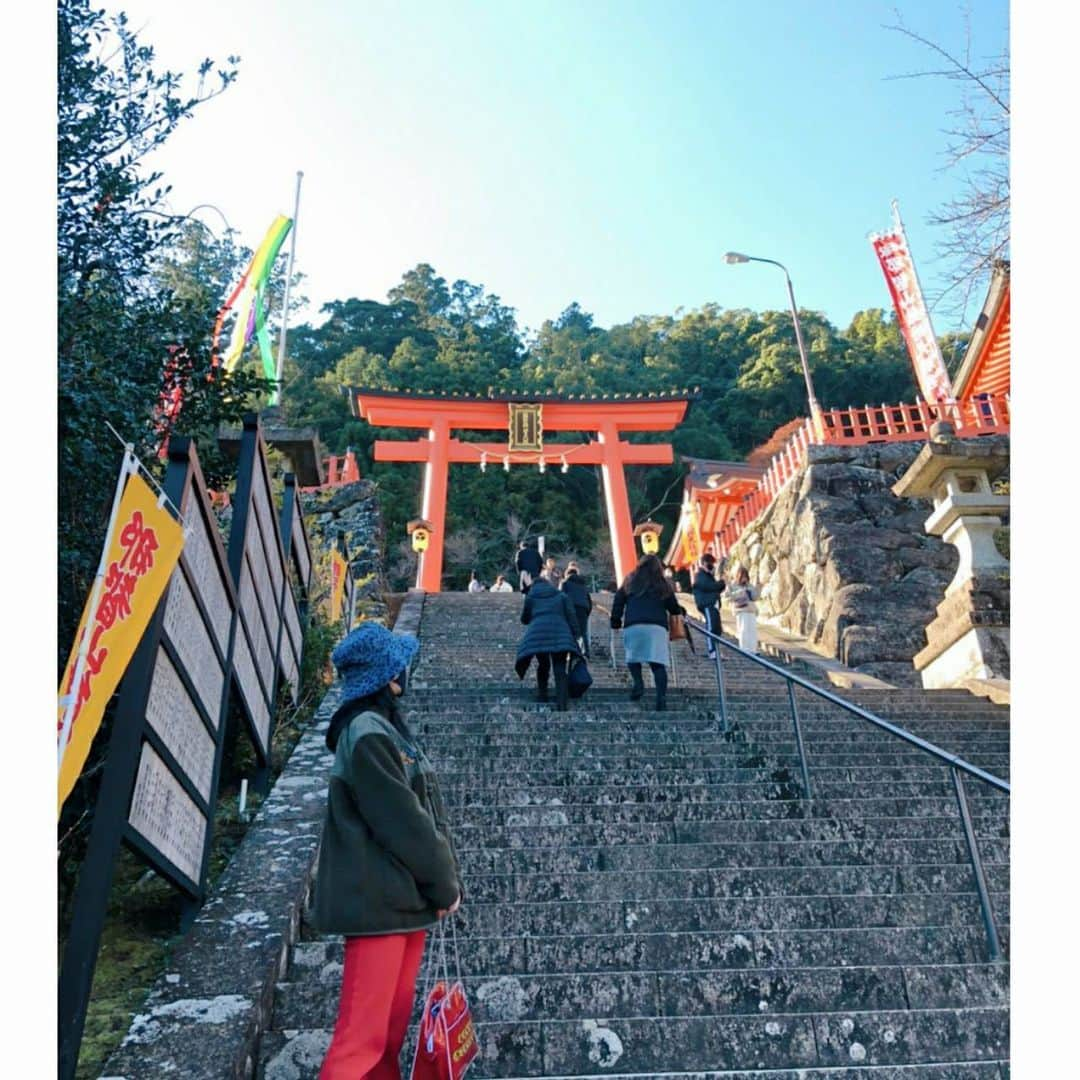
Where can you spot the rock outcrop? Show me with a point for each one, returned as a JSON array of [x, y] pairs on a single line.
[[844, 562]]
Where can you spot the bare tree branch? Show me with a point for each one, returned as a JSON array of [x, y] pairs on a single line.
[[975, 223]]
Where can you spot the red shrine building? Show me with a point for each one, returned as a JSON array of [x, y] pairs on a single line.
[[984, 375], [720, 498], [527, 420]]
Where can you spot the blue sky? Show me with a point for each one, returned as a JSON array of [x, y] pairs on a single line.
[[602, 152]]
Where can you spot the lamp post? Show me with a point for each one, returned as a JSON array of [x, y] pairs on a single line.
[[208, 206], [733, 257]]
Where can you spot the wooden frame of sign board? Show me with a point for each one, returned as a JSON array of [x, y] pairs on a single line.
[[169, 724], [348, 601], [297, 551], [257, 565]]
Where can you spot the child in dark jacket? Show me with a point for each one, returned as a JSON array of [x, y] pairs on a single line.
[[574, 587], [387, 869], [707, 590]]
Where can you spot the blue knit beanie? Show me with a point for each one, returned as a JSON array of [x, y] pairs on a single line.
[[371, 656]]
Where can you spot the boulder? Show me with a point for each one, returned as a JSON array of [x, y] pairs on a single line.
[[845, 563]]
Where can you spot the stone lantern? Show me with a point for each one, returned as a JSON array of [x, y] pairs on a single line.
[[969, 638]]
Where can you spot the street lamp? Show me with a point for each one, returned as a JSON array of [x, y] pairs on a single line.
[[733, 257], [208, 206]]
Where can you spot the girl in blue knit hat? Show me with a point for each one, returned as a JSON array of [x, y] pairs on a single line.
[[387, 870]]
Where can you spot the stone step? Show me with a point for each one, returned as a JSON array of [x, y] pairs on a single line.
[[648, 895], [453, 755], [750, 881], [449, 745], [500, 681], [312, 998], [681, 723], [708, 914], [675, 857], [967, 1070], [643, 1046], [612, 792], [555, 811], [595, 773], [784, 830]]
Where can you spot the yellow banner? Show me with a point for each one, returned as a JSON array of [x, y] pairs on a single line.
[[146, 543], [338, 569]]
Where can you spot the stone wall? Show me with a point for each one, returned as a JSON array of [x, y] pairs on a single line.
[[353, 512], [845, 563]]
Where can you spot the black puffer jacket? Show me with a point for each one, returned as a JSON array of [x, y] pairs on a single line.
[[552, 625]]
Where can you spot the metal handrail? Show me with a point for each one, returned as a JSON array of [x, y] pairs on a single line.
[[956, 765], [877, 721]]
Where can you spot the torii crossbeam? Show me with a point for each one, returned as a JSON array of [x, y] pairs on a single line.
[[441, 414]]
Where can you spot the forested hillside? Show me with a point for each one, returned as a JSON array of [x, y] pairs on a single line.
[[435, 336]]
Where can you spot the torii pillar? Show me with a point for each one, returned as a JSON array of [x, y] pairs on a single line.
[[617, 500], [436, 477], [441, 414]]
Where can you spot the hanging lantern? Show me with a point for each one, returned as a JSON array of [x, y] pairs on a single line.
[[420, 530], [649, 531]]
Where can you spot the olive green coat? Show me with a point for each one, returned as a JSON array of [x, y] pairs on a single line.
[[386, 863]]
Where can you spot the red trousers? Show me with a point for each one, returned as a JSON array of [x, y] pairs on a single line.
[[377, 991]]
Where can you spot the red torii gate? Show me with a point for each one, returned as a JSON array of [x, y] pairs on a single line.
[[440, 414]]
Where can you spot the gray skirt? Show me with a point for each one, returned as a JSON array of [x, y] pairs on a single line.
[[646, 643]]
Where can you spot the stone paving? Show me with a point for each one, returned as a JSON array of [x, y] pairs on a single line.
[[650, 896]]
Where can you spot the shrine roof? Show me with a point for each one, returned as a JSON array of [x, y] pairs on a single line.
[[641, 411], [986, 364], [497, 397], [709, 475], [299, 445]]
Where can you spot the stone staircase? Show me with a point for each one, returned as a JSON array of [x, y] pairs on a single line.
[[647, 896]]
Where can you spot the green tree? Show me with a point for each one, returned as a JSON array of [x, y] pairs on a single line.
[[117, 321], [124, 305]]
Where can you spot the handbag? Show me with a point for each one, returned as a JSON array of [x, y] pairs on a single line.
[[676, 628], [579, 678], [446, 1041]]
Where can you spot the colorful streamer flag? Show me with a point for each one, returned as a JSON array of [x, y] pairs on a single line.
[[250, 299], [338, 569], [894, 254], [142, 546]]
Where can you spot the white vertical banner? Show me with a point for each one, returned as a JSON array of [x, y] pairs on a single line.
[[897, 264]]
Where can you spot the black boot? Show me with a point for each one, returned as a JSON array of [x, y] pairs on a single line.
[[542, 691], [660, 681], [562, 693], [638, 691]]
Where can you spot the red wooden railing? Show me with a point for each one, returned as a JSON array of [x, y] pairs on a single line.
[[339, 470], [988, 415]]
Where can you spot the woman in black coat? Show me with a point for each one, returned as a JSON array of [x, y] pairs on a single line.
[[641, 608], [552, 637]]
